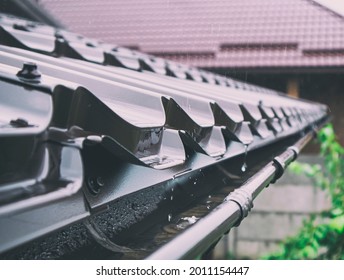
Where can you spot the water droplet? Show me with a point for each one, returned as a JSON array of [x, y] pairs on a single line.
[[244, 166], [195, 183], [169, 217], [190, 220], [209, 196], [208, 207], [171, 197]]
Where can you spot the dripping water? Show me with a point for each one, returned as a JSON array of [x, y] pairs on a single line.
[[191, 220], [244, 166]]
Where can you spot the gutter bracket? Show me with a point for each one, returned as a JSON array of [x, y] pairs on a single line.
[[296, 151], [280, 167], [282, 161], [244, 200]]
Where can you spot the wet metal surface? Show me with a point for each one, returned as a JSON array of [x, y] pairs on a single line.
[[124, 140]]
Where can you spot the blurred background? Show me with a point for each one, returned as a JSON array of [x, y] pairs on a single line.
[[293, 46]]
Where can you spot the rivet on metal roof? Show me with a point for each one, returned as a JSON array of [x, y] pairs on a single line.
[[29, 72]]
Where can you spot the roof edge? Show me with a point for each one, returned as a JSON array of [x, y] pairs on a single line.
[[330, 7], [279, 70]]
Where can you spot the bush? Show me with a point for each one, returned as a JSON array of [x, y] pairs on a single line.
[[321, 236]]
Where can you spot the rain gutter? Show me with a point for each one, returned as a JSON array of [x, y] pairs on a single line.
[[235, 207]]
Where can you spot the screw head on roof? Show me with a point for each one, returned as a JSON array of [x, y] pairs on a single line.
[[29, 72], [93, 187], [95, 184], [58, 34]]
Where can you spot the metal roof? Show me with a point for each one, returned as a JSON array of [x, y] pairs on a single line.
[[215, 34], [91, 132]]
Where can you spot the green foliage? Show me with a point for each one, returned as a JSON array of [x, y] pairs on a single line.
[[322, 236]]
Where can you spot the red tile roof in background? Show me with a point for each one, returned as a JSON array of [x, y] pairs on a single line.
[[216, 33]]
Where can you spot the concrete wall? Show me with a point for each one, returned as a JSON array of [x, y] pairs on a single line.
[[278, 212]]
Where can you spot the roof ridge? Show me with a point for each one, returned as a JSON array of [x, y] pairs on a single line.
[[327, 8]]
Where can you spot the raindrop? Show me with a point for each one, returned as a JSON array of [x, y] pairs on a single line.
[[190, 220], [246, 149], [244, 166], [208, 207], [195, 183], [169, 217], [171, 197]]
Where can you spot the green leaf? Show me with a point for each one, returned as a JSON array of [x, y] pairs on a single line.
[[309, 252], [336, 212], [337, 224]]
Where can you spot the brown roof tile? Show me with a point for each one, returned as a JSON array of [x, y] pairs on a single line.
[[218, 33]]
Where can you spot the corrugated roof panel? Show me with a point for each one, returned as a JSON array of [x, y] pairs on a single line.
[[74, 123]]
